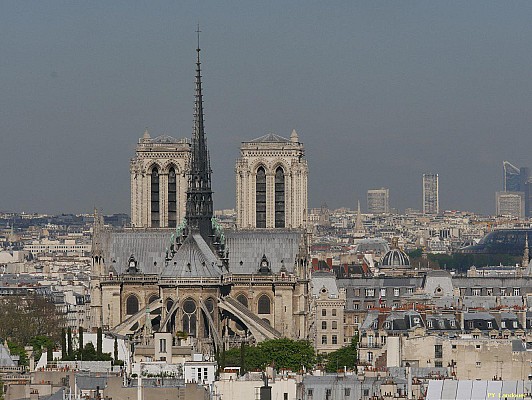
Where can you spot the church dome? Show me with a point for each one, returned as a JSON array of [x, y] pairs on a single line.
[[395, 257]]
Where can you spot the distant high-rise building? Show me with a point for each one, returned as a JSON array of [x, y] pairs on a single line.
[[519, 180], [431, 203], [378, 201], [510, 204], [512, 177]]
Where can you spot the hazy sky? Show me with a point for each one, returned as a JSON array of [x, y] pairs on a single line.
[[379, 93]]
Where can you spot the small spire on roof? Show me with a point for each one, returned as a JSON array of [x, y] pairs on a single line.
[[293, 137], [146, 134]]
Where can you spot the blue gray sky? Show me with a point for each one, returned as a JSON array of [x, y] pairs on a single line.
[[379, 92]]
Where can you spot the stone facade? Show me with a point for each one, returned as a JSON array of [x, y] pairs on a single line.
[[327, 313], [271, 183], [160, 166]]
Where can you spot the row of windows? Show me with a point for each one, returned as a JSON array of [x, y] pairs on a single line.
[[490, 291], [263, 305], [324, 312], [172, 198], [334, 339], [260, 198], [383, 292], [328, 392], [334, 325], [356, 306]]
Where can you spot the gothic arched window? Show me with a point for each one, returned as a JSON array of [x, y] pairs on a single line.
[[242, 300], [169, 304], [279, 198], [172, 198], [132, 305], [155, 219], [264, 306], [189, 317], [260, 200]]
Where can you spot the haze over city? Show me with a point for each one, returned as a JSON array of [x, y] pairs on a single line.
[[379, 93]]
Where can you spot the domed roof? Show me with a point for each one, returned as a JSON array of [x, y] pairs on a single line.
[[395, 257]]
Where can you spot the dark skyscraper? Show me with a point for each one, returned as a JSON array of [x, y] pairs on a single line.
[[512, 177], [518, 180]]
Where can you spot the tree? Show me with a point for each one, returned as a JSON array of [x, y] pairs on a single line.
[[99, 341], [278, 353], [40, 343], [17, 349], [80, 341], [343, 357], [26, 317], [49, 354], [69, 342], [63, 342], [116, 350]]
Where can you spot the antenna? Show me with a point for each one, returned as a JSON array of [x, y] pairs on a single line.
[[198, 32]]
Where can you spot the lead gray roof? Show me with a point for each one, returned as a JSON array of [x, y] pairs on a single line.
[[325, 280], [193, 259], [147, 246], [246, 248]]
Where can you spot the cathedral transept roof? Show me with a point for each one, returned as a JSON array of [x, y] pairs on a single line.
[[193, 259]]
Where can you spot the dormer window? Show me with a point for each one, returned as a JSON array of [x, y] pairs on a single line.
[[132, 265], [264, 267]]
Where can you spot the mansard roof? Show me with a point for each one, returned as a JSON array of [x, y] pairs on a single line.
[[324, 280], [193, 259], [270, 138], [246, 247], [147, 247]]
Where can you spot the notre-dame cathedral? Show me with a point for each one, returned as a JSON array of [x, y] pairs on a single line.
[[177, 271]]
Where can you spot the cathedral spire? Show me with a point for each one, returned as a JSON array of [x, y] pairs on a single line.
[[360, 231], [526, 257], [199, 194]]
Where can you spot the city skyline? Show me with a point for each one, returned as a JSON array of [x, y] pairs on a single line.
[[383, 93]]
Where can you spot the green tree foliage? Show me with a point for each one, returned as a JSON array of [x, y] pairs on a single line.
[[49, 354], [343, 357], [40, 343], [80, 340], [99, 341], [26, 317], [18, 350], [63, 342], [278, 353], [88, 353], [116, 350], [70, 350]]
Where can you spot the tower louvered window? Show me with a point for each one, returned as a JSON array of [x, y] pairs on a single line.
[[261, 198], [155, 218], [279, 198], [172, 199]]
